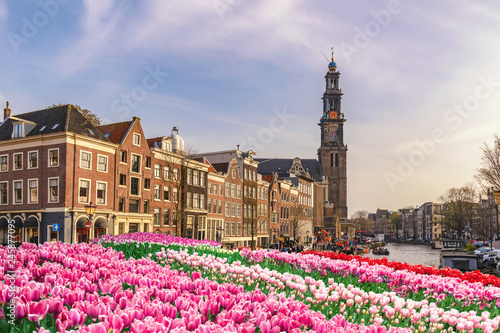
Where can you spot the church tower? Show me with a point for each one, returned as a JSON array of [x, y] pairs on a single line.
[[332, 154]]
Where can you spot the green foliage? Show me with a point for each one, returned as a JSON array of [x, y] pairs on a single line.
[[92, 118]]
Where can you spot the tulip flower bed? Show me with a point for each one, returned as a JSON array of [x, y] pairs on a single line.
[[475, 276], [89, 288], [341, 292]]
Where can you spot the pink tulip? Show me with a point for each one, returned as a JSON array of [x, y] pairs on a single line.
[[37, 311]]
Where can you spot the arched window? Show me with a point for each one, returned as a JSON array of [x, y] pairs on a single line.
[[336, 160], [331, 160]]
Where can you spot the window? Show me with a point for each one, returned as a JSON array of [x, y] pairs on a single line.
[[202, 179], [238, 212], [123, 180], [209, 207], [53, 189], [102, 163], [101, 193], [136, 163], [233, 174], [18, 130], [53, 157], [196, 200], [238, 229], [157, 192], [121, 205], [157, 217], [166, 193], [202, 201], [166, 218], [133, 206], [238, 192], [33, 160], [233, 210], [228, 207], [18, 191], [176, 174], [196, 178], [189, 176], [146, 207], [33, 190], [228, 189], [4, 163], [175, 195], [137, 139], [134, 186], [148, 162], [147, 183], [18, 161], [209, 188], [4, 190], [220, 190], [157, 171], [228, 229], [123, 156], [189, 200], [215, 206], [85, 160], [233, 229], [233, 190], [166, 172], [84, 191]]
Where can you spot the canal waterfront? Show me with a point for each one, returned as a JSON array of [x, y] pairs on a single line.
[[413, 254]]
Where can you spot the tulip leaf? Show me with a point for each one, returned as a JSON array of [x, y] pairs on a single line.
[[49, 323], [28, 326]]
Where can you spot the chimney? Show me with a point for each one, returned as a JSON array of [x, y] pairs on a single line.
[[6, 112]]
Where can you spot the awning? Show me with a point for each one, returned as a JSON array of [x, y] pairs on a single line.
[[101, 223], [18, 222], [81, 222], [31, 222]]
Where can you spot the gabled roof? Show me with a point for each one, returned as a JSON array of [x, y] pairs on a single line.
[[57, 119], [116, 132], [152, 141], [282, 166]]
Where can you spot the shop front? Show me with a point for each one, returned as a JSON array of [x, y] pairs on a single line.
[[101, 227], [83, 230]]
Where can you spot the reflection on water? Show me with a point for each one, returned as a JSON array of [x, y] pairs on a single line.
[[413, 254]]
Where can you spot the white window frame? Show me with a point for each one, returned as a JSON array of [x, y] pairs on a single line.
[[7, 162], [90, 187], [5, 182], [58, 190], [139, 186], [14, 192], [14, 125], [196, 178], [202, 201], [29, 161], [136, 136], [227, 209], [157, 168], [29, 191], [105, 194], [166, 172], [233, 174], [202, 179], [196, 200], [159, 192], [48, 158], [131, 162], [106, 164], [81, 159], [166, 187], [14, 161], [49, 232]]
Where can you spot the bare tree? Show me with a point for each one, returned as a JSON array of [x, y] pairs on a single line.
[[489, 174], [459, 208], [360, 219], [297, 219]]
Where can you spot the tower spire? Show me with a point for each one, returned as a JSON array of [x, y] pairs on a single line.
[[332, 53]]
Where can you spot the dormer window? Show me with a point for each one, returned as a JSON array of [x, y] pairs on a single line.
[[55, 126], [18, 130]]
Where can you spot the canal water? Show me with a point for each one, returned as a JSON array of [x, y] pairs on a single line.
[[413, 254]]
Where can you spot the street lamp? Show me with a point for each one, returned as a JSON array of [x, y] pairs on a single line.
[[90, 210]]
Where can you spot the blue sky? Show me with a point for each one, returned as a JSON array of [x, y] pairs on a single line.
[[421, 80]]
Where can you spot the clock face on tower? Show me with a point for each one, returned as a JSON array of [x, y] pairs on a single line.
[[333, 114]]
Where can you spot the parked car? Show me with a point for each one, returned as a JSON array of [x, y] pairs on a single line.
[[492, 258], [482, 251]]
